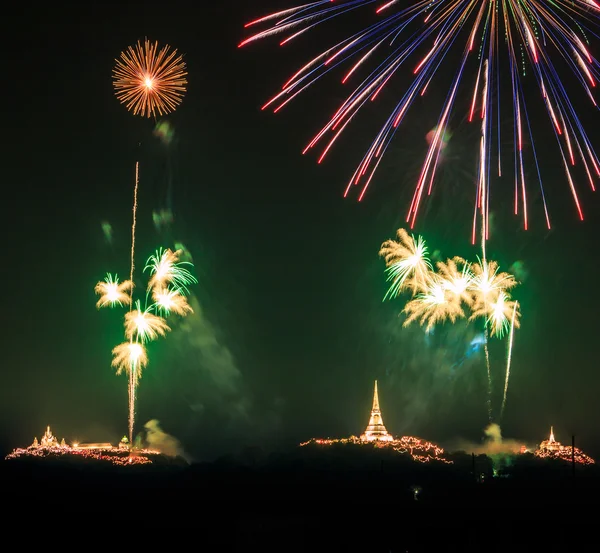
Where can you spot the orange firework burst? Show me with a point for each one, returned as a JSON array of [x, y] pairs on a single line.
[[148, 80]]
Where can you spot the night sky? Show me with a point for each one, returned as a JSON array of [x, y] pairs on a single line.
[[290, 330]]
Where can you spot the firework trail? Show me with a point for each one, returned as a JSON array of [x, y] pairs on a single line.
[[133, 223], [499, 43], [509, 357], [134, 369], [490, 297]]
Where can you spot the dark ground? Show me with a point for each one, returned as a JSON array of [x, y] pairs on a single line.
[[310, 501]]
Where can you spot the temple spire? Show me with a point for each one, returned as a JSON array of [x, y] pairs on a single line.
[[376, 430], [376, 399], [551, 439]]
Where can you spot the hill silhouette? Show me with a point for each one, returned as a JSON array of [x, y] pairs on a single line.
[[316, 498]]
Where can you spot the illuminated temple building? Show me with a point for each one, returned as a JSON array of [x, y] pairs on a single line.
[[550, 444], [551, 449], [48, 440], [50, 447], [376, 435], [376, 430]]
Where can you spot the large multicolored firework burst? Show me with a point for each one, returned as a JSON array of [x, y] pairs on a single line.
[[165, 296], [455, 289], [501, 45], [150, 81]]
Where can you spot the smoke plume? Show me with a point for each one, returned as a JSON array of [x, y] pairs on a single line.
[[159, 440], [492, 444], [221, 405]]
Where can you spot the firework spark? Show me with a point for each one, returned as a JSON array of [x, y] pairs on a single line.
[[457, 287], [498, 314], [500, 44], [150, 81], [130, 357], [166, 268], [171, 301], [408, 264], [435, 305], [143, 325], [488, 284], [112, 292], [457, 278], [444, 294]]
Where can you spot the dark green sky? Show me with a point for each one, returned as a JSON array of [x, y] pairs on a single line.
[[290, 330]]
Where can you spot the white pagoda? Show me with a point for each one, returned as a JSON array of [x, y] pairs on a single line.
[[376, 431], [551, 444]]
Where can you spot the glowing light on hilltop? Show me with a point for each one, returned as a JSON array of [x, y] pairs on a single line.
[[376, 430], [49, 447], [376, 435], [551, 449], [419, 450]]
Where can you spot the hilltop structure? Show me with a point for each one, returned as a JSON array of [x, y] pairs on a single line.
[[376, 430], [376, 435], [550, 444], [49, 447], [48, 440], [551, 449]]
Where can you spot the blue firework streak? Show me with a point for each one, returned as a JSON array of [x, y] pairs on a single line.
[[497, 40], [473, 347]]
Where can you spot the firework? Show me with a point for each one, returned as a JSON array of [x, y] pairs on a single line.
[[130, 357], [488, 284], [457, 278], [407, 261], [498, 314], [112, 292], [433, 306], [509, 357], [146, 323], [456, 290], [143, 325], [500, 44], [438, 296], [171, 301], [166, 268], [150, 81]]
